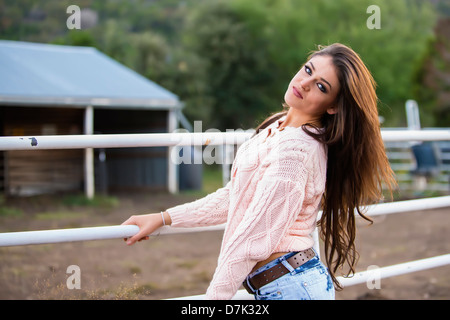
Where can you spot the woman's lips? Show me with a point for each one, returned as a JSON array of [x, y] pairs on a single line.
[[297, 92]]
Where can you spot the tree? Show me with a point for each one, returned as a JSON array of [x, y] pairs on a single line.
[[294, 27], [238, 72], [432, 79]]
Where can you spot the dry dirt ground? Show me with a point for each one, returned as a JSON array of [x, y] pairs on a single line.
[[170, 266]]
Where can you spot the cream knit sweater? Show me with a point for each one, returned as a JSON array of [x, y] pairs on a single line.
[[270, 204]]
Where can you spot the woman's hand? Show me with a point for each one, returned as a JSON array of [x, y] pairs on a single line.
[[147, 224]]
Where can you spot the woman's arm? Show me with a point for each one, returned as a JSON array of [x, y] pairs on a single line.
[[209, 210]]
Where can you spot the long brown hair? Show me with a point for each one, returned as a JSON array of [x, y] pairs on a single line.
[[357, 165]]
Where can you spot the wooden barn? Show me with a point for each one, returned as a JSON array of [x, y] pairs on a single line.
[[57, 90]]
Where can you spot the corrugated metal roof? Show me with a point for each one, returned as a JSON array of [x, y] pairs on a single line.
[[46, 74]]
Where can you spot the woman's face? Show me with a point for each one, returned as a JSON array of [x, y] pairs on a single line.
[[314, 89]]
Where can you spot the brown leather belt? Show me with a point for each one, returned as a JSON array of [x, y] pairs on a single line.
[[277, 271]]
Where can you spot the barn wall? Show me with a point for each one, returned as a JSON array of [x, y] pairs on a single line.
[[42, 171], [50, 171], [132, 168]]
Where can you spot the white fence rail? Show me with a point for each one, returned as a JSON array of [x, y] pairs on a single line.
[[404, 164], [175, 139], [362, 277], [116, 232], [207, 138], [123, 140]]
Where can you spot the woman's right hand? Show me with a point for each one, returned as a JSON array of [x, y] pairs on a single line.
[[147, 224]]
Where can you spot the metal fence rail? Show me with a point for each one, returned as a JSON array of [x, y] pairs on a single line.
[[361, 277], [124, 140], [403, 162], [124, 231], [175, 139]]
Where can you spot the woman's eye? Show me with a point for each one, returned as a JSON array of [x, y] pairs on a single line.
[[308, 70], [321, 87]]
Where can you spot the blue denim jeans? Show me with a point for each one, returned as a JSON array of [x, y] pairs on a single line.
[[310, 281]]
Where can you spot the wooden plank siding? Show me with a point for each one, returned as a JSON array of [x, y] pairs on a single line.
[[50, 171], [42, 171]]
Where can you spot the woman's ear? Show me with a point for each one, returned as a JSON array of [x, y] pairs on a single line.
[[332, 110]]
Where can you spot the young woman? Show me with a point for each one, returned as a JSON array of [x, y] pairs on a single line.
[[324, 152]]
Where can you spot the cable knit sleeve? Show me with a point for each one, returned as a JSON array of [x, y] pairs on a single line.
[[209, 210], [277, 201]]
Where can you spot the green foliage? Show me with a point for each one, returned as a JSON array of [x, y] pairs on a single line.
[[230, 61], [239, 72], [432, 79], [76, 38], [294, 28]]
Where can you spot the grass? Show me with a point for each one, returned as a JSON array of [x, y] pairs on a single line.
[[212, 178], [211, 181], [10, 212], [6, 211], [53, 288], [96, 201], [55, 215]]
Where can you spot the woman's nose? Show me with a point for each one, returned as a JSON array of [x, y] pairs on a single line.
[[305, 84]]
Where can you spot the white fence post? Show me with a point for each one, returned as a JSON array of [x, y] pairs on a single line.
[[172, 168], [89, 184]]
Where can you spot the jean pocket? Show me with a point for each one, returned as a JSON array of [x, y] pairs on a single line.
[[316, 282], [270, 291]]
